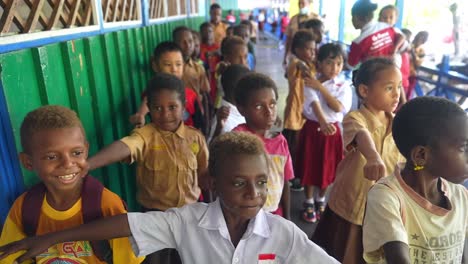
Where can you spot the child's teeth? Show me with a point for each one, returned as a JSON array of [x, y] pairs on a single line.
[[67, 177]]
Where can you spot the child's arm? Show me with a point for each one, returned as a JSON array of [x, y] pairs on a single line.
[[325, 127], [138, 119], [332, 102], [221, 116], [375, 167], [116, 151], [102, 229], [396, 252], [286, 201]]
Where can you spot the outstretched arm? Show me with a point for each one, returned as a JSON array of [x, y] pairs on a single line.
[[115, 152], [102, 229], [375, 167]]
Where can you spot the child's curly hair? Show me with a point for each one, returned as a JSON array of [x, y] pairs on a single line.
[[47, 117], [233, 143]]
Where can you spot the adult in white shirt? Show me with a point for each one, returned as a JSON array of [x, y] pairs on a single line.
[[233, 229]]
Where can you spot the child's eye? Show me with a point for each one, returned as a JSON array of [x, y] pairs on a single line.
[[262, 182], [389, 88], [78, 153], [156, 108], [258, 107], [464, 148], [273, 105], [51, 157], [173, 107], [238, 184]]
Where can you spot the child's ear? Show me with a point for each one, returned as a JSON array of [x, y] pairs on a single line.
[[419, 155], [26, 161], [363, 90]]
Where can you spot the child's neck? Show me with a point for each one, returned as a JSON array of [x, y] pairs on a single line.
[[261, 132], [425, 185], [62, 201], [380, 114]]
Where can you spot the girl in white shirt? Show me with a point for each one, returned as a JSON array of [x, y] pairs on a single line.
[[320, 142]]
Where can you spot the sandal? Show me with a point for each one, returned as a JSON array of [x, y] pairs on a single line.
[[320, 208]]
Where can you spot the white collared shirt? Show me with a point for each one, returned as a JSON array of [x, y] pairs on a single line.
[[338, 88], [200, 235]]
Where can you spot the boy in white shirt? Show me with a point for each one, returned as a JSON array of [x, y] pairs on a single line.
[[233, 229]]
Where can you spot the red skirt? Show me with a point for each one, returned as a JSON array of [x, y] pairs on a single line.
[[318, 155]]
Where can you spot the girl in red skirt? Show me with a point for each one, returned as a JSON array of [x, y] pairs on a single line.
[[320, 147]]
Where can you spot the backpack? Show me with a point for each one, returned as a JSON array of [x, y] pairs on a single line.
[[91, 195]]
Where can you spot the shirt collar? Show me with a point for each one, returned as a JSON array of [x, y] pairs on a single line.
[[213, 219], [189, 62], [180, 132], [367, 26]]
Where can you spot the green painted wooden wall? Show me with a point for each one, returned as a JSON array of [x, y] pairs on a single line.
[[100, 77]]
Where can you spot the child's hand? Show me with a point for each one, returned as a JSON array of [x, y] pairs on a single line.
[[374, 169], [137, 120], [312, 83], [222, 114], [32, 245], [327, 129], [305, 70]]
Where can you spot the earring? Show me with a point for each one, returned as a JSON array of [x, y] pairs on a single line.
[[418, 167]]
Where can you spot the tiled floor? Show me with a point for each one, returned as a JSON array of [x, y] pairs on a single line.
[[269, 62]]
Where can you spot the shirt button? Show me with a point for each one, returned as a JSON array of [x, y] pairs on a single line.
[[236, 260]]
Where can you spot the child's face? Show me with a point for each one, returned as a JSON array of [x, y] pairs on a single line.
[[242, 187], [383, 94], [260, 109], [207, 34], [238, 55], [245, 35], [215, 15], [172, 63], [331, 67], [185, 42], [229, 32], [388, 16], [448, 158], [166, 110], [306, 53], [58, 157]]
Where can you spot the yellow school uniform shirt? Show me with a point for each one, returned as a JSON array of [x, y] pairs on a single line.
[[395, 212], [293, 118], [51, 220], [195, 78], [349, 192], [296, 20], [168, 164], [219, 32]]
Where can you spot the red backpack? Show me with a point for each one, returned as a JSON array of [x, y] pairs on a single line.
[[91, 195]]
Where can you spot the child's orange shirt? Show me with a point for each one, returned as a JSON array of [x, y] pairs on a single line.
[[220, 31], [195, 78], [293, 118]]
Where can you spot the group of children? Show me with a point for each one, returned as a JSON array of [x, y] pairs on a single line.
[[416, 215]]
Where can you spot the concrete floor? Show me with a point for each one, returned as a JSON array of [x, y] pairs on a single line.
[[269, 62]]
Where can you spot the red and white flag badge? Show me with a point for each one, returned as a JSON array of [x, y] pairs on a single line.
[[267, 258]]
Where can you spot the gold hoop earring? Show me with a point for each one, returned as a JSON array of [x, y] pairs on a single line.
[[418, 167]]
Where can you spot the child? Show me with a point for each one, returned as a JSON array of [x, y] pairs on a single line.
[[194, 74], [320, 146], [370, 154], [210, 54], [389, 14], [55, 148], [233, 229], [230, 18], [171, 157], [419, 214], [417, 58], [256, 96], [300, 66], [243, 32], [218, 25], [167, 58], [234, 51], [227, 116], [317, 28]]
